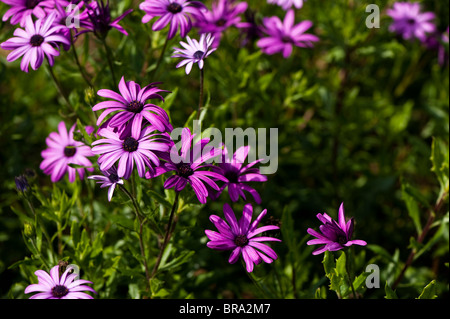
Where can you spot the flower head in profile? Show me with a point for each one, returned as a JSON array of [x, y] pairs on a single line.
[[410, 22], [177, 13], [287, 4], [283, 36], [108, 179], [62, 151], [20, 10], [194, 51], [223, 15], [334, 235], [137, 147], [240, 237], [189, 166], [52, 286], [39, 39], [130, 106], [97, 19], [238, 175]]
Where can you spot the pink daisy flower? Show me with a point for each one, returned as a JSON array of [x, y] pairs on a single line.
[[39, 39], [52, 286], [64, 150]]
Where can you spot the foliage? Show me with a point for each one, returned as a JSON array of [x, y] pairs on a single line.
[[362, 118]]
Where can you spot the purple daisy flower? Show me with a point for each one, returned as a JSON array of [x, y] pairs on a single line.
[[176, 12], [187, 164], [137, 147], [38, 39], [335, 235], [282, 36], [108, 179], [97, 19], [21, 9], [51, 286], [287, 4], [223, 15], [194, 51], [410, 22], [131, 106], [240, 237], [64, 150], [238, 176]]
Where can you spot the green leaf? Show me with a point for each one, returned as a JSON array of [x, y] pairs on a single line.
[[170, 98], [184, 257], [341, 269], [159, 198], [439, 160], [399, 121], [412, 207], [429, 292], [328, 263], [390, 294], [360, 280]]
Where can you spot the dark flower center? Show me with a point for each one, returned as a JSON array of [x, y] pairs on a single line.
[[185, 170], [59, 291], [241, 240], [69, 151], [36, 40], [135, 106], [411, 21], [286, 39], [175, 7], [232, 176], [31, 4], [113, 178], [341, 239], [221, 22], [198, 54], [130, 144]]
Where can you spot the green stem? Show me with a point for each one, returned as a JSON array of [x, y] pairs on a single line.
[[108, 57], [350, 280], [59, 87], [77, 61], [200, 102], [36, 218], [254, 281], [167, 235], [59, 232], [161, 57], [141, 241]]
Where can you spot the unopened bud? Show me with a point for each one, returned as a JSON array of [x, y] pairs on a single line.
[[89, 96], [21, 183], [28, 230]]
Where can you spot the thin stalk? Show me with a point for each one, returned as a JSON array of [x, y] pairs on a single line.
[[161, 57], [59, 87], [36, 218], [200, 102], [141, 241], [254, 281], [167, 235], [350, 280], [59, 232], [108, 57], [77, 61]]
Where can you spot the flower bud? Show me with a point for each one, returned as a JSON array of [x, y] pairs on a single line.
[[28, 230]]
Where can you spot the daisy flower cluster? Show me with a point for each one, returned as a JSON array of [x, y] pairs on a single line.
[[134, 134]]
